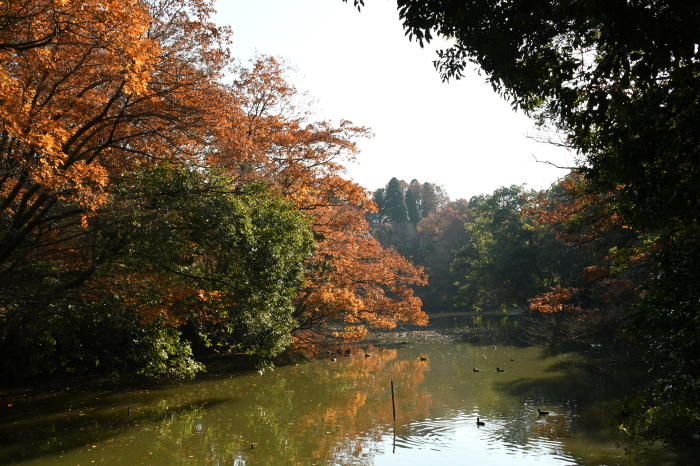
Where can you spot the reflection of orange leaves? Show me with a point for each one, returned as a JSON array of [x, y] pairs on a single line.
[[361, 397]]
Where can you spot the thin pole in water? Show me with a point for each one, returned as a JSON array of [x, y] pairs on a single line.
[[393, 406]]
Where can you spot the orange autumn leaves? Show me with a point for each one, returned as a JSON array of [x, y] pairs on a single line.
[[89, 90], [353, 283], [589, 220]]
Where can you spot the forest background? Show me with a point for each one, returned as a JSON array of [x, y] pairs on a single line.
[[162, 202]]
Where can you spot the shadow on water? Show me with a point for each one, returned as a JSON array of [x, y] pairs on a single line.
[[58, 423], [337, 409]]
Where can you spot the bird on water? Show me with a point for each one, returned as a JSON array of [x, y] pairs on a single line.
[[541, 413], [479, 423]]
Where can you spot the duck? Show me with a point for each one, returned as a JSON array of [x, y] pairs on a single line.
[[423, 358], [475, 370], [479, 423], [542, 413], [498, 369]]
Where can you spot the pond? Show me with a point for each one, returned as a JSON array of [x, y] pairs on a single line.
[[337, 410]]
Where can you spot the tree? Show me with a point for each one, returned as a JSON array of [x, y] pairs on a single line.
[[114, 119], [507, 259], [674, 396], [620, 80], [441, 234], [353, 283], [412, 207], [118, 84], [395, 202], [178, 260]]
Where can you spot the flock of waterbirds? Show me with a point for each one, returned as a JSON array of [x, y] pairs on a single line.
[[498, 369], [479, 422]]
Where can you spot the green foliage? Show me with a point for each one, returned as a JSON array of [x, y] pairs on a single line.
[[430, 235], [395, 202], [620, 79], [665, 325], [178, 260], [508, 259], [412, 207]]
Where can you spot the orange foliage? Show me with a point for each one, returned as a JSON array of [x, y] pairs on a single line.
[[91, 89], [593, 273], [584, 214], [555, 300], [352, 282], [88, 89]]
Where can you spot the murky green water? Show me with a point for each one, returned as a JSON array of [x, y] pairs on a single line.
[[340, 413]]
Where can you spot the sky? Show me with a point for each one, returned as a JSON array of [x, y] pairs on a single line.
[[359, 66]]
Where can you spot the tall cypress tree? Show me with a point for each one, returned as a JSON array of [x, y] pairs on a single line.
[[395, 202], [412, 207]]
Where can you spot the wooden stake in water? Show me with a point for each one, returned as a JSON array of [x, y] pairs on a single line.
[[393, 406]]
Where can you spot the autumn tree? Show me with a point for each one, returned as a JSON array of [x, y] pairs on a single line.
[[180, 260], [118, 84], [353, 283], [620, 81], [441, 234], [142, 191]]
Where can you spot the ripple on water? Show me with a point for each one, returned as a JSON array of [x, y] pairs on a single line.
[[460, 441]]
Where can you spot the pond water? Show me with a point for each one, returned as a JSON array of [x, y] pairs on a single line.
[[328, 412]]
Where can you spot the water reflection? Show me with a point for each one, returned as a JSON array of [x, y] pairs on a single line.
[[339, 412]]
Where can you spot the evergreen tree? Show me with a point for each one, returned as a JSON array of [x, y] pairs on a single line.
[[429, 200], [395, 202], [412, 207]]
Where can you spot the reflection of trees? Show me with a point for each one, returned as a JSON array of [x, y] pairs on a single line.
[[323, 410], [344, 406]]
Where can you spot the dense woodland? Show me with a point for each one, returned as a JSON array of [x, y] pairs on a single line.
[[162, 202]]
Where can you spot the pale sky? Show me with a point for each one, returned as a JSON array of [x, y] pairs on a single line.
[[360, 67]]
